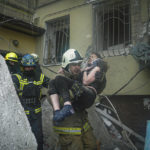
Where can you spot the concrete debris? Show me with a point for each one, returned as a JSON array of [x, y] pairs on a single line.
[[15, 131], [103, 113], [50, 137], [143, 30], [108, 142]]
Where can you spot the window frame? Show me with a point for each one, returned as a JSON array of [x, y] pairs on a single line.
[[51, 40], [98, 42]]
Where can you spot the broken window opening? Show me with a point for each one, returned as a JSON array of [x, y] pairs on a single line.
[[56, 40], [112, 26]]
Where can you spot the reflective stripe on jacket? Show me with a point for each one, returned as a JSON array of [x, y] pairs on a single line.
[[37, 110], [72, 130], [24, 82]]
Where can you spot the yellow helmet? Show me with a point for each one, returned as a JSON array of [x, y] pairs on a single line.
[[11, 56]]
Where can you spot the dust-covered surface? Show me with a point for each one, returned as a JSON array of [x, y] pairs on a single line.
[[15, 131], [107, 142], [50, 137]]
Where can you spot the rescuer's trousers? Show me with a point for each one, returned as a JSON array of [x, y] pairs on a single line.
[[35, 120], [85, 141]]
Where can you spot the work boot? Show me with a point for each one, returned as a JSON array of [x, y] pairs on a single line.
[[67, 110], [60, 115]]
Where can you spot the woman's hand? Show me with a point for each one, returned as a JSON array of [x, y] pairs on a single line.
[[61, 71], [89, 78]]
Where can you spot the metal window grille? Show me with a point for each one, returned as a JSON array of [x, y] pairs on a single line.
[[112, 28], [56, 40]]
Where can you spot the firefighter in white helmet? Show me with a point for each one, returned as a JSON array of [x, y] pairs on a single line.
[[77, 94]]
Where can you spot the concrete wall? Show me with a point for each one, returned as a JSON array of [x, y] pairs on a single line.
[[121, 68], [80, 24], [26, 43], [19, 9], [80, 20], [41, 3], [15, 130], [139, 18]]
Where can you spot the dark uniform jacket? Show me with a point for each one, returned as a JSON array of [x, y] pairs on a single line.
[[75, 124], [78, 122], [29, 89]]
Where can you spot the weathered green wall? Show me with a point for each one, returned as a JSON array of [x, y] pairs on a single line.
[[18, 9], [121, 68], [80, 21], [26, 43], [81, 28], [80, 24]]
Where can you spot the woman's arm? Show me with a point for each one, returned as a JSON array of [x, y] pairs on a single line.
[[89, 78], [61, 71]]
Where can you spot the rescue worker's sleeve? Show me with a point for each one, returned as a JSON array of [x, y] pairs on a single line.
[[38, 68], [16, 82], [46, 81]]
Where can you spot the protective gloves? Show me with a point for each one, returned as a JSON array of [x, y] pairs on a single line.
[[60, 115]]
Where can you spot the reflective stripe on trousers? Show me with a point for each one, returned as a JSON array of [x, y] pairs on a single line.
[[72, 130], [37, 110]]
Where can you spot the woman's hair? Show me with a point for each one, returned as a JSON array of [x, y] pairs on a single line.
[[103, 64], [97, 54]]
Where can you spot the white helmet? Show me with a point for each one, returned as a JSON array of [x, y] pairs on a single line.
[[71, 56], [36, 57]]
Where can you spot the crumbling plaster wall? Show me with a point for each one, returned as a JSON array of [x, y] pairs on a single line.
[[26, 43], [19, 9], [140, 21], [15, 131], [42, 3], [50, 137]]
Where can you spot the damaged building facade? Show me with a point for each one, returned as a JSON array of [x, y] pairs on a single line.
[[110, 27]]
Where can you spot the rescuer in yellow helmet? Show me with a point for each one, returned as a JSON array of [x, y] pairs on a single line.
[[12, 62]]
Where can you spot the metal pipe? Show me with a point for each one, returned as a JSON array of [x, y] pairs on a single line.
[[120, 124]]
